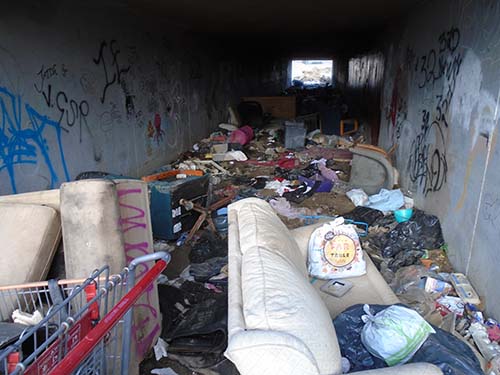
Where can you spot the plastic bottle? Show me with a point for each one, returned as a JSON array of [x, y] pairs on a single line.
[[493, 366], [490, 350]]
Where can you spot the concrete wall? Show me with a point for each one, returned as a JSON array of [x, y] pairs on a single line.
[[97, 89], [440, 107]]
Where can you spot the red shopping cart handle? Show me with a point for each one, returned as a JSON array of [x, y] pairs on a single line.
[[75, 357]]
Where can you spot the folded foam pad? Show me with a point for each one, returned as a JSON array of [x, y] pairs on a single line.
[[29, 236], [91, 229], [48, 198]]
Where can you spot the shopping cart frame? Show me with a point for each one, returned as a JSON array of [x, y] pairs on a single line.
[[80, 350]]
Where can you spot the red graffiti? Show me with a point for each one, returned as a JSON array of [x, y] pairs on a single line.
[[394, 106], [158, 130], [393, 112]]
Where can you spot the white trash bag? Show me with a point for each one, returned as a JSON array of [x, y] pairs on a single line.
[[334, 251], [394, 334]]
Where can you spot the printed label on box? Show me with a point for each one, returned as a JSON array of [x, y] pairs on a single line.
[[176, 212]]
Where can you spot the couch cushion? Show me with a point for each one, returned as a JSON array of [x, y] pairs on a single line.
[[260, 226], [277, 297], [370, 288]]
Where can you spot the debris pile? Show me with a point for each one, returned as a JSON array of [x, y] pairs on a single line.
[[319, 179]]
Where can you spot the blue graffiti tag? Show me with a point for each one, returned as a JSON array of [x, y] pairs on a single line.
[[23, 145]]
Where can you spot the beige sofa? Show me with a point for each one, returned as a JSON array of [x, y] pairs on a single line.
[[279, 322]]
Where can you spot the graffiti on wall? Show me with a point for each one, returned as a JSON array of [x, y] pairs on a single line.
[[397, 113], [491, 208], [25, 137], [110, 117], [436, 70], [108, 59], [154, 132], [146, 326], [72, 111]]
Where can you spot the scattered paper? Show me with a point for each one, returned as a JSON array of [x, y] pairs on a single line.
[[160, 349], [25, 318]]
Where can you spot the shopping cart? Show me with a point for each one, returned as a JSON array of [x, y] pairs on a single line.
[[86, 325]]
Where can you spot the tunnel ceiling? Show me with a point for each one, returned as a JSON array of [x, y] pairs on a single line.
[[264, 16], [285, 27], [293, 27]]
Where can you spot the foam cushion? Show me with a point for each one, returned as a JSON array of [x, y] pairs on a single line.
[[29, 236], [92, 234]]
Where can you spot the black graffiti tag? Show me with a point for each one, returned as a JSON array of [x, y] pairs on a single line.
[[436, 64], [112, 70], [427, 164]]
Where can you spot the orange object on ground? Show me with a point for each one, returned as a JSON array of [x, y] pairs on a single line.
[[169, 174]]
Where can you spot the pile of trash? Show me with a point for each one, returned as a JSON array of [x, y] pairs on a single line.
[[320, 178], [408, 248], [305, 185]]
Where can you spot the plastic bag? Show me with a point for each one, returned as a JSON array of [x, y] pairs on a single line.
[[394, 334], [408, 277], [364, 214], [443, 349], [335, 251], [386, 200], [358, 197], [421, 232]]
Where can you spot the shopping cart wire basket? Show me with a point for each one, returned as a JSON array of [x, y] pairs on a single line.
[[87, 324]]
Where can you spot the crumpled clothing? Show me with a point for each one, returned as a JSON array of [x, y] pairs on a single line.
[[281, 187], [327, 173], [284, 208]]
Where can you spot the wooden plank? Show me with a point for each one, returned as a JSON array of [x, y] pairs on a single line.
[[277, 106]]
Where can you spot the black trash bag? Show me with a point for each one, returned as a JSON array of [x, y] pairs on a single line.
[[405, 258], [202, 329], [421, 232], [364, 214], [442, 349], [208, 246], [194, 322], [187, 295], [204, 271]]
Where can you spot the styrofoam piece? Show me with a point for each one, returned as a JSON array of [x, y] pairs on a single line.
[[91, 230], [464, 288]]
